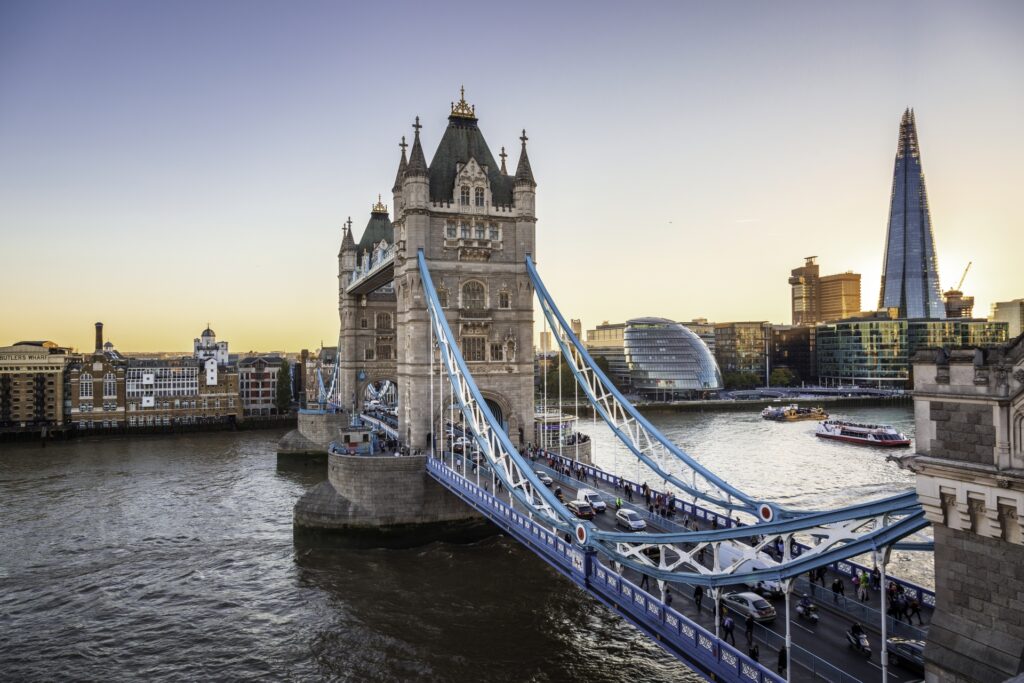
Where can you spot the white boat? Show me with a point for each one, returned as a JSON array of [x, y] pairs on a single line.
[[863, 434]]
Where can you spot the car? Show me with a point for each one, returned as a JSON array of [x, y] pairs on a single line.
[[590, 496], [630, 520], [460, 444], [906, 653], [766, 588], [581, 509], [544, 477], [751, 604]]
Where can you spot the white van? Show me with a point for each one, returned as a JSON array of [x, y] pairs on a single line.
[[590, 496]]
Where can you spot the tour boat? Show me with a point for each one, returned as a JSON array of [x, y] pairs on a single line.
[[792, 413], [869, 435]]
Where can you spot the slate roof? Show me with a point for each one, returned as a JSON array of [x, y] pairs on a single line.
[[462, 140], [378, 228]]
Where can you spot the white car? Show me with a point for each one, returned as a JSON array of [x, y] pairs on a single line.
[[630, 520], [544, 477], [590, 496]]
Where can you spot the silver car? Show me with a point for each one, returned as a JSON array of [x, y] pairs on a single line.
[[751, 604], [629, 520], [544, 478]]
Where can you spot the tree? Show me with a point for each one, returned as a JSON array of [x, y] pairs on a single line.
[[284, 388], [783, 377], [741, 380], [568, 379]]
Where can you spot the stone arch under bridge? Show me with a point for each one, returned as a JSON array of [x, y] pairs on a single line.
[[370, 377]]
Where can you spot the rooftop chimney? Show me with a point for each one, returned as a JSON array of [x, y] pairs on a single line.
[[99, 337]]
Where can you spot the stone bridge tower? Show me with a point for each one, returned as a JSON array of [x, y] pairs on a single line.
[[969, 409], [475, 223], [367, 341]]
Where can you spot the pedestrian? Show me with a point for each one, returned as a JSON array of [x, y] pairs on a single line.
[[727, 627], [698, 595], [810, 580], [668, 597], [782, 662], [842, 587], [645, 583], [835, 591], [753, 652], [914, 608], [876, 578], [748, 630]]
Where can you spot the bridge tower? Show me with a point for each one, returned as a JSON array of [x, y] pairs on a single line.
[[969, 410], [475, 223], [366, 343]]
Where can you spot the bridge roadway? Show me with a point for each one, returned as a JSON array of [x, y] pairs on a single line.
[[825, 641]]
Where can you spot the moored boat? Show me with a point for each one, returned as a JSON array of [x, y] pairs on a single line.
[[863, 434], [793, 413]]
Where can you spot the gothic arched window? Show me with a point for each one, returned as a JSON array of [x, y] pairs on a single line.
[[109, 385], [478, 195], [383, 321], [473, 295], [85, 385], [464, 195]]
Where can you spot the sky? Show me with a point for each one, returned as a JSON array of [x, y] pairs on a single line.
[[165, 165]]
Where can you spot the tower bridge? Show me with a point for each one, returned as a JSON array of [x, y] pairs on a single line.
[[440, 301]]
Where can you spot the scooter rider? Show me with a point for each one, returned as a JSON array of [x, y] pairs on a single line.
[[856, 631]]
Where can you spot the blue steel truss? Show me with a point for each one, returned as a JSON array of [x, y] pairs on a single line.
[[831, 536]]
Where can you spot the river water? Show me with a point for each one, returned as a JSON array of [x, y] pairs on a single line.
[[172, 558]]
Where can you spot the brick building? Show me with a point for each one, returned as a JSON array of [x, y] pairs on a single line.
[[96, 388], [32, 386], [257, 384]]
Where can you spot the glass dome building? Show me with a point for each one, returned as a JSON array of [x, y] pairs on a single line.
[[665, 360]]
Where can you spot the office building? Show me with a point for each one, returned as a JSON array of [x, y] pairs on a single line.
[[703, 329], [876, 351], [910, 277], [546, 345], [792, 348], [1011, 313], [817, 298], [742, 347], [258, 377]]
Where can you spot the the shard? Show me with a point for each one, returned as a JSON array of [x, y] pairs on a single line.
[[910, 277]]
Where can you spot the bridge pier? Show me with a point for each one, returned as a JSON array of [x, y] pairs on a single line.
[[386, 501]]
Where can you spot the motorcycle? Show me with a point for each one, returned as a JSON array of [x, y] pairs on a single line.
[[810, 612], [859, 643]]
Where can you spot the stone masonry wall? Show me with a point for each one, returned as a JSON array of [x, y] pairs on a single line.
[[977, 632], [963, 431]]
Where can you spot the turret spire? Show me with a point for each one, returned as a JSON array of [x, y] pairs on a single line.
[[503, 155], [402, 165], [417, 162], [524, 174], [347, 243]]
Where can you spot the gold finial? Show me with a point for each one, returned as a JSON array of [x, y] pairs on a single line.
[[379, 207], [463, 109]]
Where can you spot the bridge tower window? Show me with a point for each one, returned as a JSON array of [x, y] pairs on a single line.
[[495, 235], [383, 321], [481, 232], [464, 195], [362, 323], [368, 353], [504, 300], [383, 351], [442, 296], [451, 231], [473, 295], [85, 385], [474, 348], [478, 196], [464, 230], [497, 353]]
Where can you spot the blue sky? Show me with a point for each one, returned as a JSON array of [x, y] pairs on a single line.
[[165, 164]]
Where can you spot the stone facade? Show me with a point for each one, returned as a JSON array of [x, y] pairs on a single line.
[[969, 410]]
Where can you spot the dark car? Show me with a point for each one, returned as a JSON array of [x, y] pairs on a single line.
[[906, 653], [581, 509]]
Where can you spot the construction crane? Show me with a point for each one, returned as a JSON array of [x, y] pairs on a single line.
[[963, 277]]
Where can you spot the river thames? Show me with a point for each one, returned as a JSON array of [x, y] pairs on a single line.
[[172, 558]]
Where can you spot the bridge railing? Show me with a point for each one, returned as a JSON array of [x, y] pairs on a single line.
[[643, 609], [847, 568]]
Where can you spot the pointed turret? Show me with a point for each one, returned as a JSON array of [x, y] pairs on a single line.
[[402, 165], [504, 171], [524, 174], [417, 161], [347, 243]]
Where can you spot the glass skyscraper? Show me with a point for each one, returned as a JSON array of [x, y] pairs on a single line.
[[910, 277]]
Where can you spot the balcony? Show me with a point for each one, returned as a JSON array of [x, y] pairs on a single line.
[[471, 248], [475, 314]]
